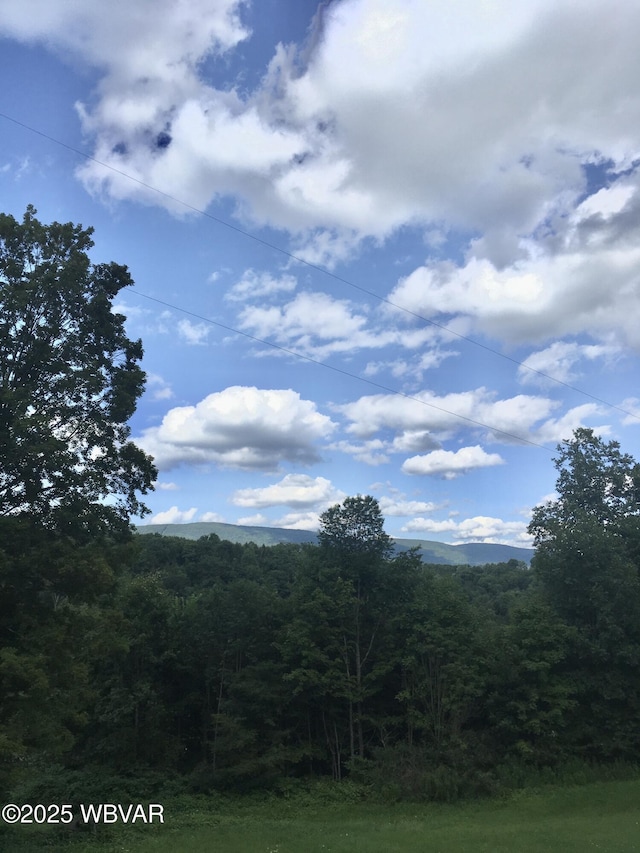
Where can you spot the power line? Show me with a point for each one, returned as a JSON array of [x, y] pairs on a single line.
[[384, 300]]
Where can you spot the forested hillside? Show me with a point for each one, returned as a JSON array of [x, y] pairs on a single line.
[[127, 661], [237, 666], [471, 553]]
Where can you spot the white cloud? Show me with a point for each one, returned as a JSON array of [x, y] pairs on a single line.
[[294, 490], [299, 521], [317, 324], [372, 452], [145, 321], [193, 333], [480, 528], [551, 497], [239, 427], [159, 387], [312, 322], [429, 525], [174, 516], [450, 464], [604, 203], [167, 487], [308, 314], [411, 368], [259, 284], [558, 429], [413, 418], [570, 291], [327, 246], [18, 168], [170, 39], [399, 507], [257, 520], [632, 405], [400, 112], [559, 360], [211, 516]]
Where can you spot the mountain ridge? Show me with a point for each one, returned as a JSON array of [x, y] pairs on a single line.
[[469, 553]]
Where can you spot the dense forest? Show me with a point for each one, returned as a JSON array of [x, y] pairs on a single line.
[[219, 666], [233, 666]]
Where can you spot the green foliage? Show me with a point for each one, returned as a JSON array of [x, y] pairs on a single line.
[[420, 773], [51, 592], [532, 692], [587, 562], [595, 480], [355, 527], [231, 667], [69, 382], [587, 539], [496, 587], [444, 662]]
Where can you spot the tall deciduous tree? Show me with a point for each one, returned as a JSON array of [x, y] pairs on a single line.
[[587, 546], [353, 539], [355, 527], [587, 540], [69, 382]]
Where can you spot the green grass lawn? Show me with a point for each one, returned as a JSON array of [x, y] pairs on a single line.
[[602, 816]]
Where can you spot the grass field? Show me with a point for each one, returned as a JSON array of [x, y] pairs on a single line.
[[602, 816]]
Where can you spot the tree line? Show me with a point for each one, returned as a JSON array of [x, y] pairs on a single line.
[[234, 666], [230, 666]]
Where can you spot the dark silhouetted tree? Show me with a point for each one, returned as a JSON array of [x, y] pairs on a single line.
[[69, 382]]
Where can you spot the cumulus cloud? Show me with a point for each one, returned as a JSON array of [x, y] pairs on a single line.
[[84, 27], [309, 315], [318, 324], [399, 113], [558, 429], [193, 333], [399, 506], [631, 405], [559, 361], [299, 521], [425, 413], [257, 520], [174, 516], [160, 389], [372, 452], [294, 490], [480, 528], [538, 298], [240, 427], [211, 516], [255, 285], [450, 464]]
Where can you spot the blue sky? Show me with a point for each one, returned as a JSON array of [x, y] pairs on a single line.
[[435, 216]]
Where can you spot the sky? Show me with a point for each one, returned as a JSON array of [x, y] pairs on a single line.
[[381, 247]]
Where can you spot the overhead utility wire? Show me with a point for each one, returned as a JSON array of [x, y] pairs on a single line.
[[313, 266], [340, 370]]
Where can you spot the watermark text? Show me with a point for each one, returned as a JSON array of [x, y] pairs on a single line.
[[90, 813]]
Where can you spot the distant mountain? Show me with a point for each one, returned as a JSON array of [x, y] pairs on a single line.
[[231, 532], [473, 553]]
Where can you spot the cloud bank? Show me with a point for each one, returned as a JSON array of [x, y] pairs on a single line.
[[485, 118]]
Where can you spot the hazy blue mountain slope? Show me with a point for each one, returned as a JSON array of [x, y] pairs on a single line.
[[472, 553]]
